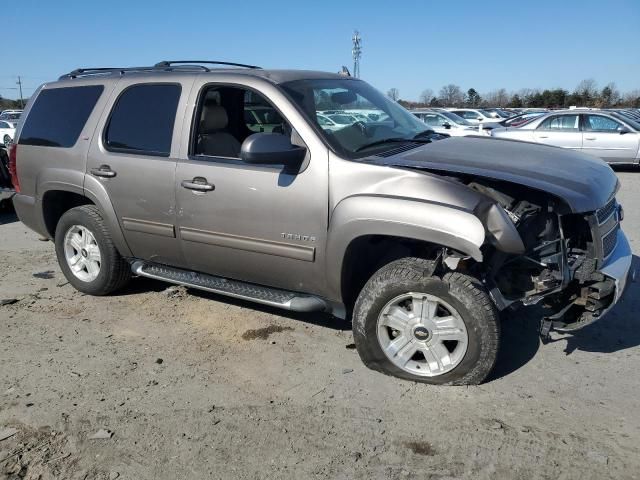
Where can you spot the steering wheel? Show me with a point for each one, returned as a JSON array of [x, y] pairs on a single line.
[[363, 127]]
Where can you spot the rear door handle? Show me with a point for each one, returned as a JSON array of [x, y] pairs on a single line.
[[103, 171], [590, 138], [199, 184], [543, 136]]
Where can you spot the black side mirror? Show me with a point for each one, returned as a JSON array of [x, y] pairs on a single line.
[[446, 125], [271, 149], [623, 130]]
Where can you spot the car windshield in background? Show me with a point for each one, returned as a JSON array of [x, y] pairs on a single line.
[[389, 122], [343, 119], [456, 119], [628, 120], [10, 116]]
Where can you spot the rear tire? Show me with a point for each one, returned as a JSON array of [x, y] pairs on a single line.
[[86, 253], [412, 325]]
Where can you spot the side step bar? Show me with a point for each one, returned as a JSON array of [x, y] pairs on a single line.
[[231, 288]]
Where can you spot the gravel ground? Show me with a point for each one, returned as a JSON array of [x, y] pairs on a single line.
[[182, 384]]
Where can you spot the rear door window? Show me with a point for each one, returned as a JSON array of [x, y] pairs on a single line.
[[59, 115], [142, 119]]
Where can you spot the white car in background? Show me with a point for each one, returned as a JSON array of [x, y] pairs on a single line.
[[608, 135], [448, 123], [7, 132], [327, 124], [475, 115]]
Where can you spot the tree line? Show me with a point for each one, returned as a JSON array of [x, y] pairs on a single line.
[[586, 94], [6, 104]]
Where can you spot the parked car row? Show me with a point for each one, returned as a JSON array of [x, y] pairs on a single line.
[[610, 134]]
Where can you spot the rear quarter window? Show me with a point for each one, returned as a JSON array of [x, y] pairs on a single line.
[[58, 116]]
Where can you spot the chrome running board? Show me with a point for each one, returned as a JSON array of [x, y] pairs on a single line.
[[232, 288]]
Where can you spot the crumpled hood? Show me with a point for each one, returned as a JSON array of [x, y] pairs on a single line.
[[584, 182]]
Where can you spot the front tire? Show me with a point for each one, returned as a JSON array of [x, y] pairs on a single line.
[[410, 324], [86, 254]]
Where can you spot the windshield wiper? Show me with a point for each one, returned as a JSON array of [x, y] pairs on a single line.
[[382, 142], [417, 138], [424, 133]]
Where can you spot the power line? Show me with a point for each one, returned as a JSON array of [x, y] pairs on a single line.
[[19, 82]]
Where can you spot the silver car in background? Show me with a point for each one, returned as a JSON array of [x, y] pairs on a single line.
[[445, 122], [475, 115], [608, 135]]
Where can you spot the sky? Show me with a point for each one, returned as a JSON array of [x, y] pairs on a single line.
[[410, 45]]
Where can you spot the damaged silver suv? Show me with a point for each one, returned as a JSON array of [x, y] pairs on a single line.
[[222, 177]]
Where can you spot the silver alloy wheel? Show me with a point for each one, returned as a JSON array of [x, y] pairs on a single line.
[[422, 334], [82, 253]]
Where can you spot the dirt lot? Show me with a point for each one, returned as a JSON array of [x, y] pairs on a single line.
[[191, 385]]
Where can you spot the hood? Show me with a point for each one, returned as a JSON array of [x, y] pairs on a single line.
[[584, 182]]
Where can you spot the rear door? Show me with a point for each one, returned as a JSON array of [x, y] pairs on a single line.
[[560, 131], [603, 138], [133, 158]]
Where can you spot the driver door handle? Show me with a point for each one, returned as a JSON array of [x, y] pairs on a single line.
[[103, 171], [199, 184]]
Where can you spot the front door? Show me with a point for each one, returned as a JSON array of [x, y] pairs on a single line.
[[602, 138], [257, 223], [560, 131], [134, 160]]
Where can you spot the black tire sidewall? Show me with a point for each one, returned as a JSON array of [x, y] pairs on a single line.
[[385, 289], [78, 216]]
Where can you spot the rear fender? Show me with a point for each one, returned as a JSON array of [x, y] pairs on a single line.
[[96, 192]]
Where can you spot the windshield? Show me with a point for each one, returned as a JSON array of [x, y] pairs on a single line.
[[355, 138], [635, 124], [488, 114], [456, 119], [10, 116]]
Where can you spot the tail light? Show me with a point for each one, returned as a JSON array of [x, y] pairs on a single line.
[[13, 167]]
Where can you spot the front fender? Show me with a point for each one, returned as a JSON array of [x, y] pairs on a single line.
[[435, 223]]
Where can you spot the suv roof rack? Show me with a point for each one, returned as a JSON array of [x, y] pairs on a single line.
[[168, 63], [165, 66]]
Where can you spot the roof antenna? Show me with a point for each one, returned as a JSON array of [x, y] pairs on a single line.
[[345, 71]]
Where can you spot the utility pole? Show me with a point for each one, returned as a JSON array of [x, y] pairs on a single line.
[[19, 82], [357, 53]]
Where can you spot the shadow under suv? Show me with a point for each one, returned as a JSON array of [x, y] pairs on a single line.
[[419, 238]]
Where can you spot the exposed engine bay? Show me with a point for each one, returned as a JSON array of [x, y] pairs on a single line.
[[539, 252]]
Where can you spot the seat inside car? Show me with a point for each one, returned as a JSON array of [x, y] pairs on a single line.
[[214, 139]]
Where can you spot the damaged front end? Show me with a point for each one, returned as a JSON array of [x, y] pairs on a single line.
[[539, 252]]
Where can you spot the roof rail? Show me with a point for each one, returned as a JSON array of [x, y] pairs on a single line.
[[168, 63], [83, 72]]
